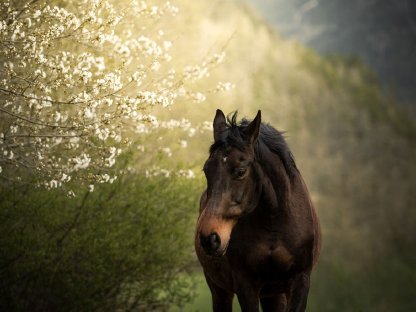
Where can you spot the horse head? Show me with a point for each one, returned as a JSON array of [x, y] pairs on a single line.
[[232, 182]]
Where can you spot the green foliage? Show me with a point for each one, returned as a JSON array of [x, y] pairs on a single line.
[[125, 246]]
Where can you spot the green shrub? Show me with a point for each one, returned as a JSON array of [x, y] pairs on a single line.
[[126, 246]]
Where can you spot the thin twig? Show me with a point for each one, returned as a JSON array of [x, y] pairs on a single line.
[[44, 136], [33, 121], [74, 221], [21, 12]]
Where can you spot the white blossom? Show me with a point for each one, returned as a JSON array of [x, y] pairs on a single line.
[[81, 162], [65, 177], [224, 86], [74, 80], [198, 97], [189, 174], [37, 14], [53, 184], [167, 151]]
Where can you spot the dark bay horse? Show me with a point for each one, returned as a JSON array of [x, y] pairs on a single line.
[[258, 233]]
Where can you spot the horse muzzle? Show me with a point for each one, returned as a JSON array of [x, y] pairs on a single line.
[[214, 234], [211, 244]]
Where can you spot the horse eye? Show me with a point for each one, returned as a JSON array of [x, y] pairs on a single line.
[[241, 172]]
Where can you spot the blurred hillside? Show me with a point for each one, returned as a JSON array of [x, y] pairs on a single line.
[[354, 146], [380, 32]]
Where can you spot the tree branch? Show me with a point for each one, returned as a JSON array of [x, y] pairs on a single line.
[[35, 122], [74, 221], [21, 12]]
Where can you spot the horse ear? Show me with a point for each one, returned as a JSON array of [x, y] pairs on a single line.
[[251, 132], [219, 124]]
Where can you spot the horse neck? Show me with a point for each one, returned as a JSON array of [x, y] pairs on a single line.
[[277, 186], [283, 199]]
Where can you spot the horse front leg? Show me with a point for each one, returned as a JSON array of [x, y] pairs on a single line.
[[222, 300], [276, 303], [247, 293], [299, 293]]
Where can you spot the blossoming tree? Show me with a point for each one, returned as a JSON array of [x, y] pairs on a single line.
[[77, 78]]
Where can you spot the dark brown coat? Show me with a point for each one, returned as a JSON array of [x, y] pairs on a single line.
[[258, 234]]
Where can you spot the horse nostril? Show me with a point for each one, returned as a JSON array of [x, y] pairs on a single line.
[[210, 243], [215, 241]]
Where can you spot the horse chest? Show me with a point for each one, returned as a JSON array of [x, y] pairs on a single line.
[[260, 251], [270, 257]]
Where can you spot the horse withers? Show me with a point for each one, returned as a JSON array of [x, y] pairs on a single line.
[[257, 234]]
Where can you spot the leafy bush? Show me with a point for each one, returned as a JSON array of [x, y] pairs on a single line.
[[125, 246]]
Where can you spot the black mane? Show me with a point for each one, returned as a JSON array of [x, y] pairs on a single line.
[[269, 139]]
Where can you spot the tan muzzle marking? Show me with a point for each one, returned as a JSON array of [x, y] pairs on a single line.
[[208, 224]]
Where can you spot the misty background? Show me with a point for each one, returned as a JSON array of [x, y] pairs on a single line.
[[381, 33]]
